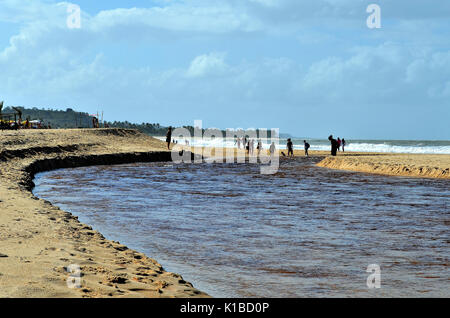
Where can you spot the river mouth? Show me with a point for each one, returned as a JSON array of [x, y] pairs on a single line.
[[303, 232]]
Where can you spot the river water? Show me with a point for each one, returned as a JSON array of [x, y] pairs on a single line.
[[303, 232]]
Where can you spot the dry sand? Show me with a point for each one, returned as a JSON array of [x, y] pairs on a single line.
[[38, 241], [408, 165]]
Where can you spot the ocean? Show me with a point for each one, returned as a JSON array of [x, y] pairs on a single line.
[[303, 232], [392, 146]]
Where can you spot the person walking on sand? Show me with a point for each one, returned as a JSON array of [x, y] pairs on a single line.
[[290, 147], [272, 149], [334, 145], [339, 144], [307, 146], [169, 137], [259, 146], [343, 145]]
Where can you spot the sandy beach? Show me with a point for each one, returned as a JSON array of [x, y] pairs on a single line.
[[407, 165], [38, 241]]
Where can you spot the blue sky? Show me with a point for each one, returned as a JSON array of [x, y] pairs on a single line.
[[308, 67]]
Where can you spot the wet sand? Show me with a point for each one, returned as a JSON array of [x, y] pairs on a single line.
[[38, 241]]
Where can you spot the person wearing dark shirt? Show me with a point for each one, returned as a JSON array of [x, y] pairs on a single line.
[[343, 145], [290, 147], [334, 145], [169, 137], [307, 146]]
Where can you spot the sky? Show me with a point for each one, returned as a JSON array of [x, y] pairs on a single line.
[[308, 67]]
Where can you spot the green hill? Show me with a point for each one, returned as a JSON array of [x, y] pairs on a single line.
[[71, 119]]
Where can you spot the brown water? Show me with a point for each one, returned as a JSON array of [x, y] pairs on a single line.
[[304, 232]]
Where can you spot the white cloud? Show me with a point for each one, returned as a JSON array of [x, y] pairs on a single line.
[[46, 64], [212, 64]]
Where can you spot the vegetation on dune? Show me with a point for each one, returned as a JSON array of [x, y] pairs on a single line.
[[70, 118]]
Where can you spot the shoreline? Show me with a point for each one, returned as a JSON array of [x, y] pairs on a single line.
[[39, 241]]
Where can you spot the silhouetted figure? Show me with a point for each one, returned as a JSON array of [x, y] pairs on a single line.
[[334, 145], [169, 137], [307, 146], [290, 147], [272, 148], [343, 145], [339, 144], [259, 146]]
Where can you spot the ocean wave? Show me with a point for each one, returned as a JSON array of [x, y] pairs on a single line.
[[388, 146]]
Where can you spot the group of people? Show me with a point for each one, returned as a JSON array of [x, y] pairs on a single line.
[[336, 145], [290, 147], [249, 145]]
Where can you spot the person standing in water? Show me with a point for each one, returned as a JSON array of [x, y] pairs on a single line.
[[307, 146], [343, 145], [334, 145], [290, 147], [169, 137]]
